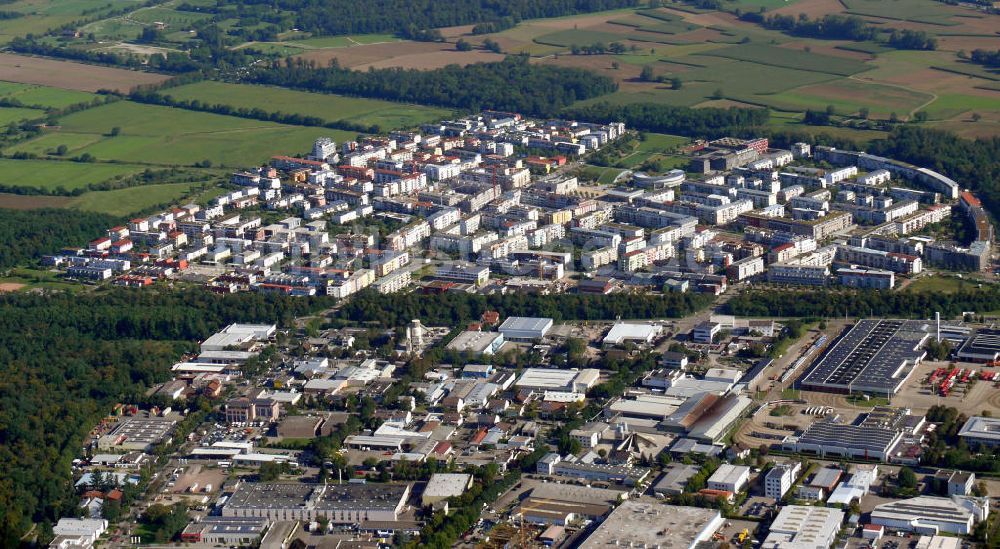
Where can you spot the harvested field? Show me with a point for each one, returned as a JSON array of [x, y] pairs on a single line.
[[6, 287], [30, 202], [373, 53], [73, 76], [434, 60]]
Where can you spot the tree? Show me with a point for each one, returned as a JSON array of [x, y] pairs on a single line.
[[115, 131], [863, 112], [906, 478], [893, 117], [462, 45], [920, 116], [492, 45], [976, 117], [676, 83], [61, 150], [646, 75]]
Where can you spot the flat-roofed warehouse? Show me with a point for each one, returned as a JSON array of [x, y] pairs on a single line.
[[931, 514], [873, 356], [555, 503], [521, 328], [442, 486], [983, 346], [479, 343], [632, 331], [545, 379], [826, 438], [641, 524], [804, 527], [338, 503]]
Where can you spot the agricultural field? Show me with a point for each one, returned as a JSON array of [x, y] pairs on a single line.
[[166, 136], [125, 202], [367, 112], [42, 15], [53, 174], [10, 115], [32, 95], [71, 76]]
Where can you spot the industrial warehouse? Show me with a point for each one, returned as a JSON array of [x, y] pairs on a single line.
[[339, 504], [873, 356]]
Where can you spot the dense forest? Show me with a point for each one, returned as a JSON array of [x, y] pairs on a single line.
[[709, 122], [65, 359], [454, 309], [831, 303], [332, 17], [513, 84], [26, 235]]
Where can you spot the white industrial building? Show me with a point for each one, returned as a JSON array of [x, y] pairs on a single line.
[[981, 430], [623, 332], [442, 486], [520, 328], [641, 524], [543, 379], [804, 527], [931, 515], [478, 343], [728, 477]]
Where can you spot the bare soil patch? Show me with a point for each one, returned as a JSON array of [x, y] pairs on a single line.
[[71, 76], [30, 202], [6, 287], [373, 53], [434, 60]]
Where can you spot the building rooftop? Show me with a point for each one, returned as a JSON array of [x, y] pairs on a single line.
[[639, 524], [446, 485], [804, 527], [981, 428], [728, 473], [473, 341], [872, 356], [629, 331], [526, 324], [334, 497]]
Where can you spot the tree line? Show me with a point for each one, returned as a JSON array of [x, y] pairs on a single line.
[[513, 84], [337, 17], [831, 27], [454, 309], [832, 303], [709, 122]]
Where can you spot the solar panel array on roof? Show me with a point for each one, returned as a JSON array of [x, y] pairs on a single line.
[[873, 356]]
